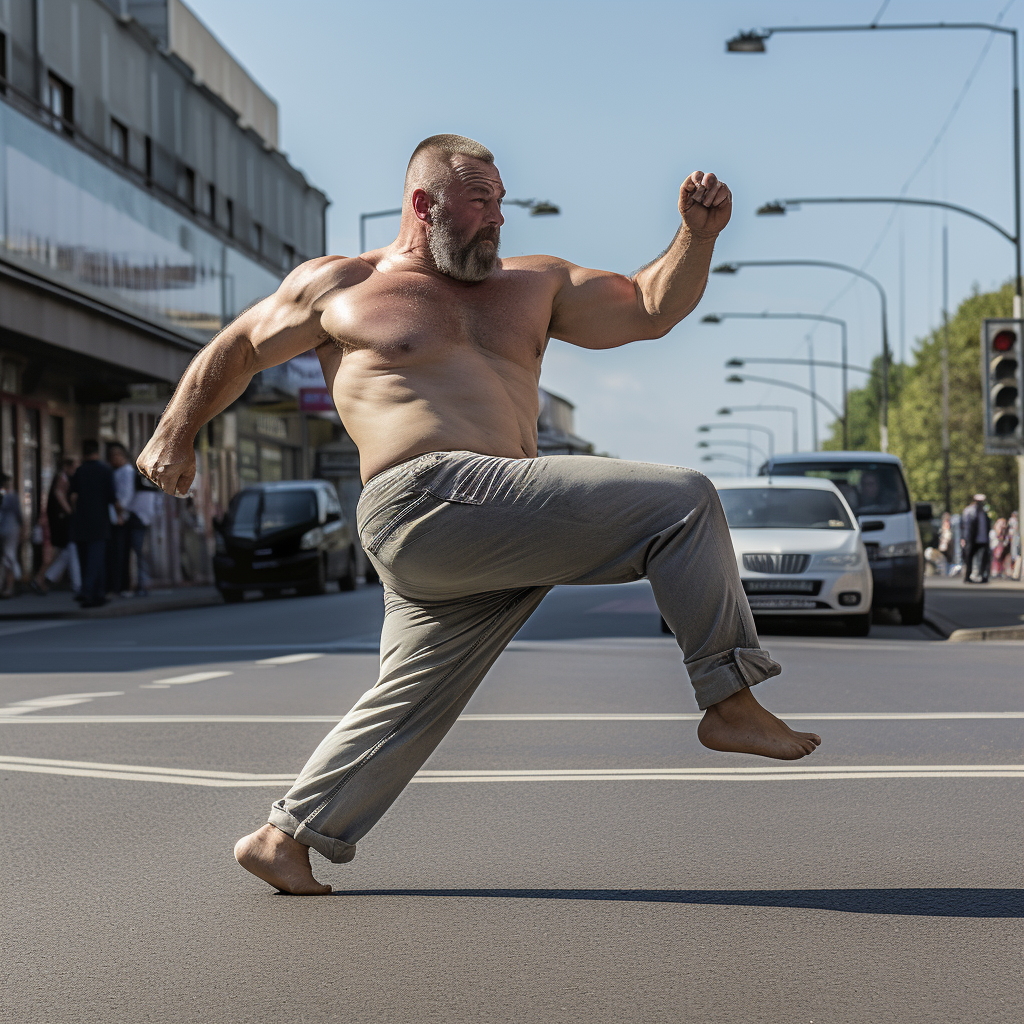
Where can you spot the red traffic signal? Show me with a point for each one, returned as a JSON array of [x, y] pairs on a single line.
[[1004, 341]]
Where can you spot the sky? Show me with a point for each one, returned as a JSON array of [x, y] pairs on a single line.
[[604, 108]]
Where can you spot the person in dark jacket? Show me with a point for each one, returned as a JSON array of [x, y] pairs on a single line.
[[92, 494], [974, 527]]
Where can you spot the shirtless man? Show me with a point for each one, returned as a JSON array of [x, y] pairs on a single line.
[[432, 348]]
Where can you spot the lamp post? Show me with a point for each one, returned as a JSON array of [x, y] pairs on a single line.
[[725, 458], [728, 410], [537, 208], [705, 427], [753, 42], [749, 445], [738, 378], [714, 318], [735, 265]]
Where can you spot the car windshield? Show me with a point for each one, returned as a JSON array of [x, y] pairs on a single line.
[[783, 508], [871, 488], [281, 510]]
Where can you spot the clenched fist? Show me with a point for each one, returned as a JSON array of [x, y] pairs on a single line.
[[170, 465], [705, 204]]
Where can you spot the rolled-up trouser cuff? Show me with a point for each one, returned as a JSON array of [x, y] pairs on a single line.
[[721, 675], [335, 850]]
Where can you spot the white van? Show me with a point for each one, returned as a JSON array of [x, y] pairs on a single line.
[[876, 489]]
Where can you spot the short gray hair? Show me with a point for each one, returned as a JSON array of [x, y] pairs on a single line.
[[447, 146]]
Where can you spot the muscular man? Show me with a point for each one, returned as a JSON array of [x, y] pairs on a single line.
[[432, 349]]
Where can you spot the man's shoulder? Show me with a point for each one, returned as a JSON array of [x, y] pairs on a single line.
[[537, 264], [315, 278]]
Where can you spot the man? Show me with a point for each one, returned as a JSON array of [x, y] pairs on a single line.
[[92, 494], [119, 545], [432, 349], [974, 527]]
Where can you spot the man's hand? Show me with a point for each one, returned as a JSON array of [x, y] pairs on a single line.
[[705, 204], [170, 465]]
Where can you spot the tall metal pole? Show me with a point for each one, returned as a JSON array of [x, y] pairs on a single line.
[[846, 395], [945, 369], [1018, 303], [814, 390]]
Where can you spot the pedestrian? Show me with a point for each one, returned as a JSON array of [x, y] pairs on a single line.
[[119, 545], [432, 348], [1014, 530], [92, 493], [999, 542], [140, 517], [974, 529], [63, 554], [945, 543], [12, 534]]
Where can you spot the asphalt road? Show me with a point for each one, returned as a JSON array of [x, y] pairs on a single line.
[[570, 853]]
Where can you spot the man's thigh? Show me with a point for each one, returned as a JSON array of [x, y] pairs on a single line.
[[539, 522]]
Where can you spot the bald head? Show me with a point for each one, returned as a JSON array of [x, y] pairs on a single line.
[[432, 161]]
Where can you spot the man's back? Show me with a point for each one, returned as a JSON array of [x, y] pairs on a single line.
[[93, 483]]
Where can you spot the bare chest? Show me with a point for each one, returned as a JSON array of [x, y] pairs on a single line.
[[404, 318]]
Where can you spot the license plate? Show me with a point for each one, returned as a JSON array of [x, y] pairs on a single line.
[[781, 604], [265, 565]]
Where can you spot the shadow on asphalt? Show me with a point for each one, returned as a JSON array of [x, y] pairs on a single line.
[[992, 903]]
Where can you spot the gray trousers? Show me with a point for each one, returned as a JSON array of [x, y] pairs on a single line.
[[467, 546]]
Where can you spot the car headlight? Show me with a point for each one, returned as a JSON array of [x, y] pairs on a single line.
[[312, 539], [904, 550], [837, 561]]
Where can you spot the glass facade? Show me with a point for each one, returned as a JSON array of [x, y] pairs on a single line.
[[68, 217]]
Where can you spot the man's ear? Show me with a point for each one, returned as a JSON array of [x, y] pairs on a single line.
[[421, 204]]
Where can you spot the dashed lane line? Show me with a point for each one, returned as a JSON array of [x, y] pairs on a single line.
[[827, 716], [289, 659], [192, 677], [62, 700], [238, 780]]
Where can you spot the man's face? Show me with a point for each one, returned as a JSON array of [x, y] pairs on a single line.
[[117, 458], [465, 228]]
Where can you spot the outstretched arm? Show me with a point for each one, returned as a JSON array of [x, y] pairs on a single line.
[[597, 309], [281, 326]]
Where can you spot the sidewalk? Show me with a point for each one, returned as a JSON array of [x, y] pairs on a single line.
[[59, 604], [974, 611]]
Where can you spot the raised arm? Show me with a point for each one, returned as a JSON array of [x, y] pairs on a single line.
[[598, 309], [281, 326]]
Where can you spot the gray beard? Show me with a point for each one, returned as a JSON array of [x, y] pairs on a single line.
[[464, 261]]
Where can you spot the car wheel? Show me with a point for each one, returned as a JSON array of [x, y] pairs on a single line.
[[912, 614], [347, 581], [232, 596], [859, 625]]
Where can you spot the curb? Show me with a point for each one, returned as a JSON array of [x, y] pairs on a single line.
[[959, 636], [118, 609]]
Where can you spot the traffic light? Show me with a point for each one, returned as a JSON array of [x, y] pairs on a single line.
[[1003, 385]]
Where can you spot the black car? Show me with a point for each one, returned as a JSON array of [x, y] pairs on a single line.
[[281, 536]]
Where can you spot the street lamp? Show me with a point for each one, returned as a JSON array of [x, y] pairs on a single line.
[[734, 266], [722, 457], [749, 445], [728, 410], [753, 42], [738, 378], [537, 208], [714, 318], [705, 427]]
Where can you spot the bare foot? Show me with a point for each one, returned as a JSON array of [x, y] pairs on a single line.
[[740, 724], [275, 857]]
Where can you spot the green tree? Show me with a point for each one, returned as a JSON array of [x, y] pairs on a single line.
[[915, 413]]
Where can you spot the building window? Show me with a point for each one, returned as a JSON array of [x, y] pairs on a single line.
[[187, 184], [256, 237], [230, 207], [149, 157], [211, 201], [288, 257], [119, 140], [60, 99]]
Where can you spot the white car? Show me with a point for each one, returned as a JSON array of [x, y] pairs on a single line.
[[799, 549]]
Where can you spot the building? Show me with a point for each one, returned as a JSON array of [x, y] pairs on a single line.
[[145, 202]]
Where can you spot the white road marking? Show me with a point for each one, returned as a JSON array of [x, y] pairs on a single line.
[[840, 716], [193, 677], [289, 659], [237, 780], [24, 707]]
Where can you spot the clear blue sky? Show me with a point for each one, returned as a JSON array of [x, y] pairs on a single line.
[[604, 108]]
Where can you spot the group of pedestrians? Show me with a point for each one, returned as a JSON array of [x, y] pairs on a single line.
[[974, 545], [96, 514]]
